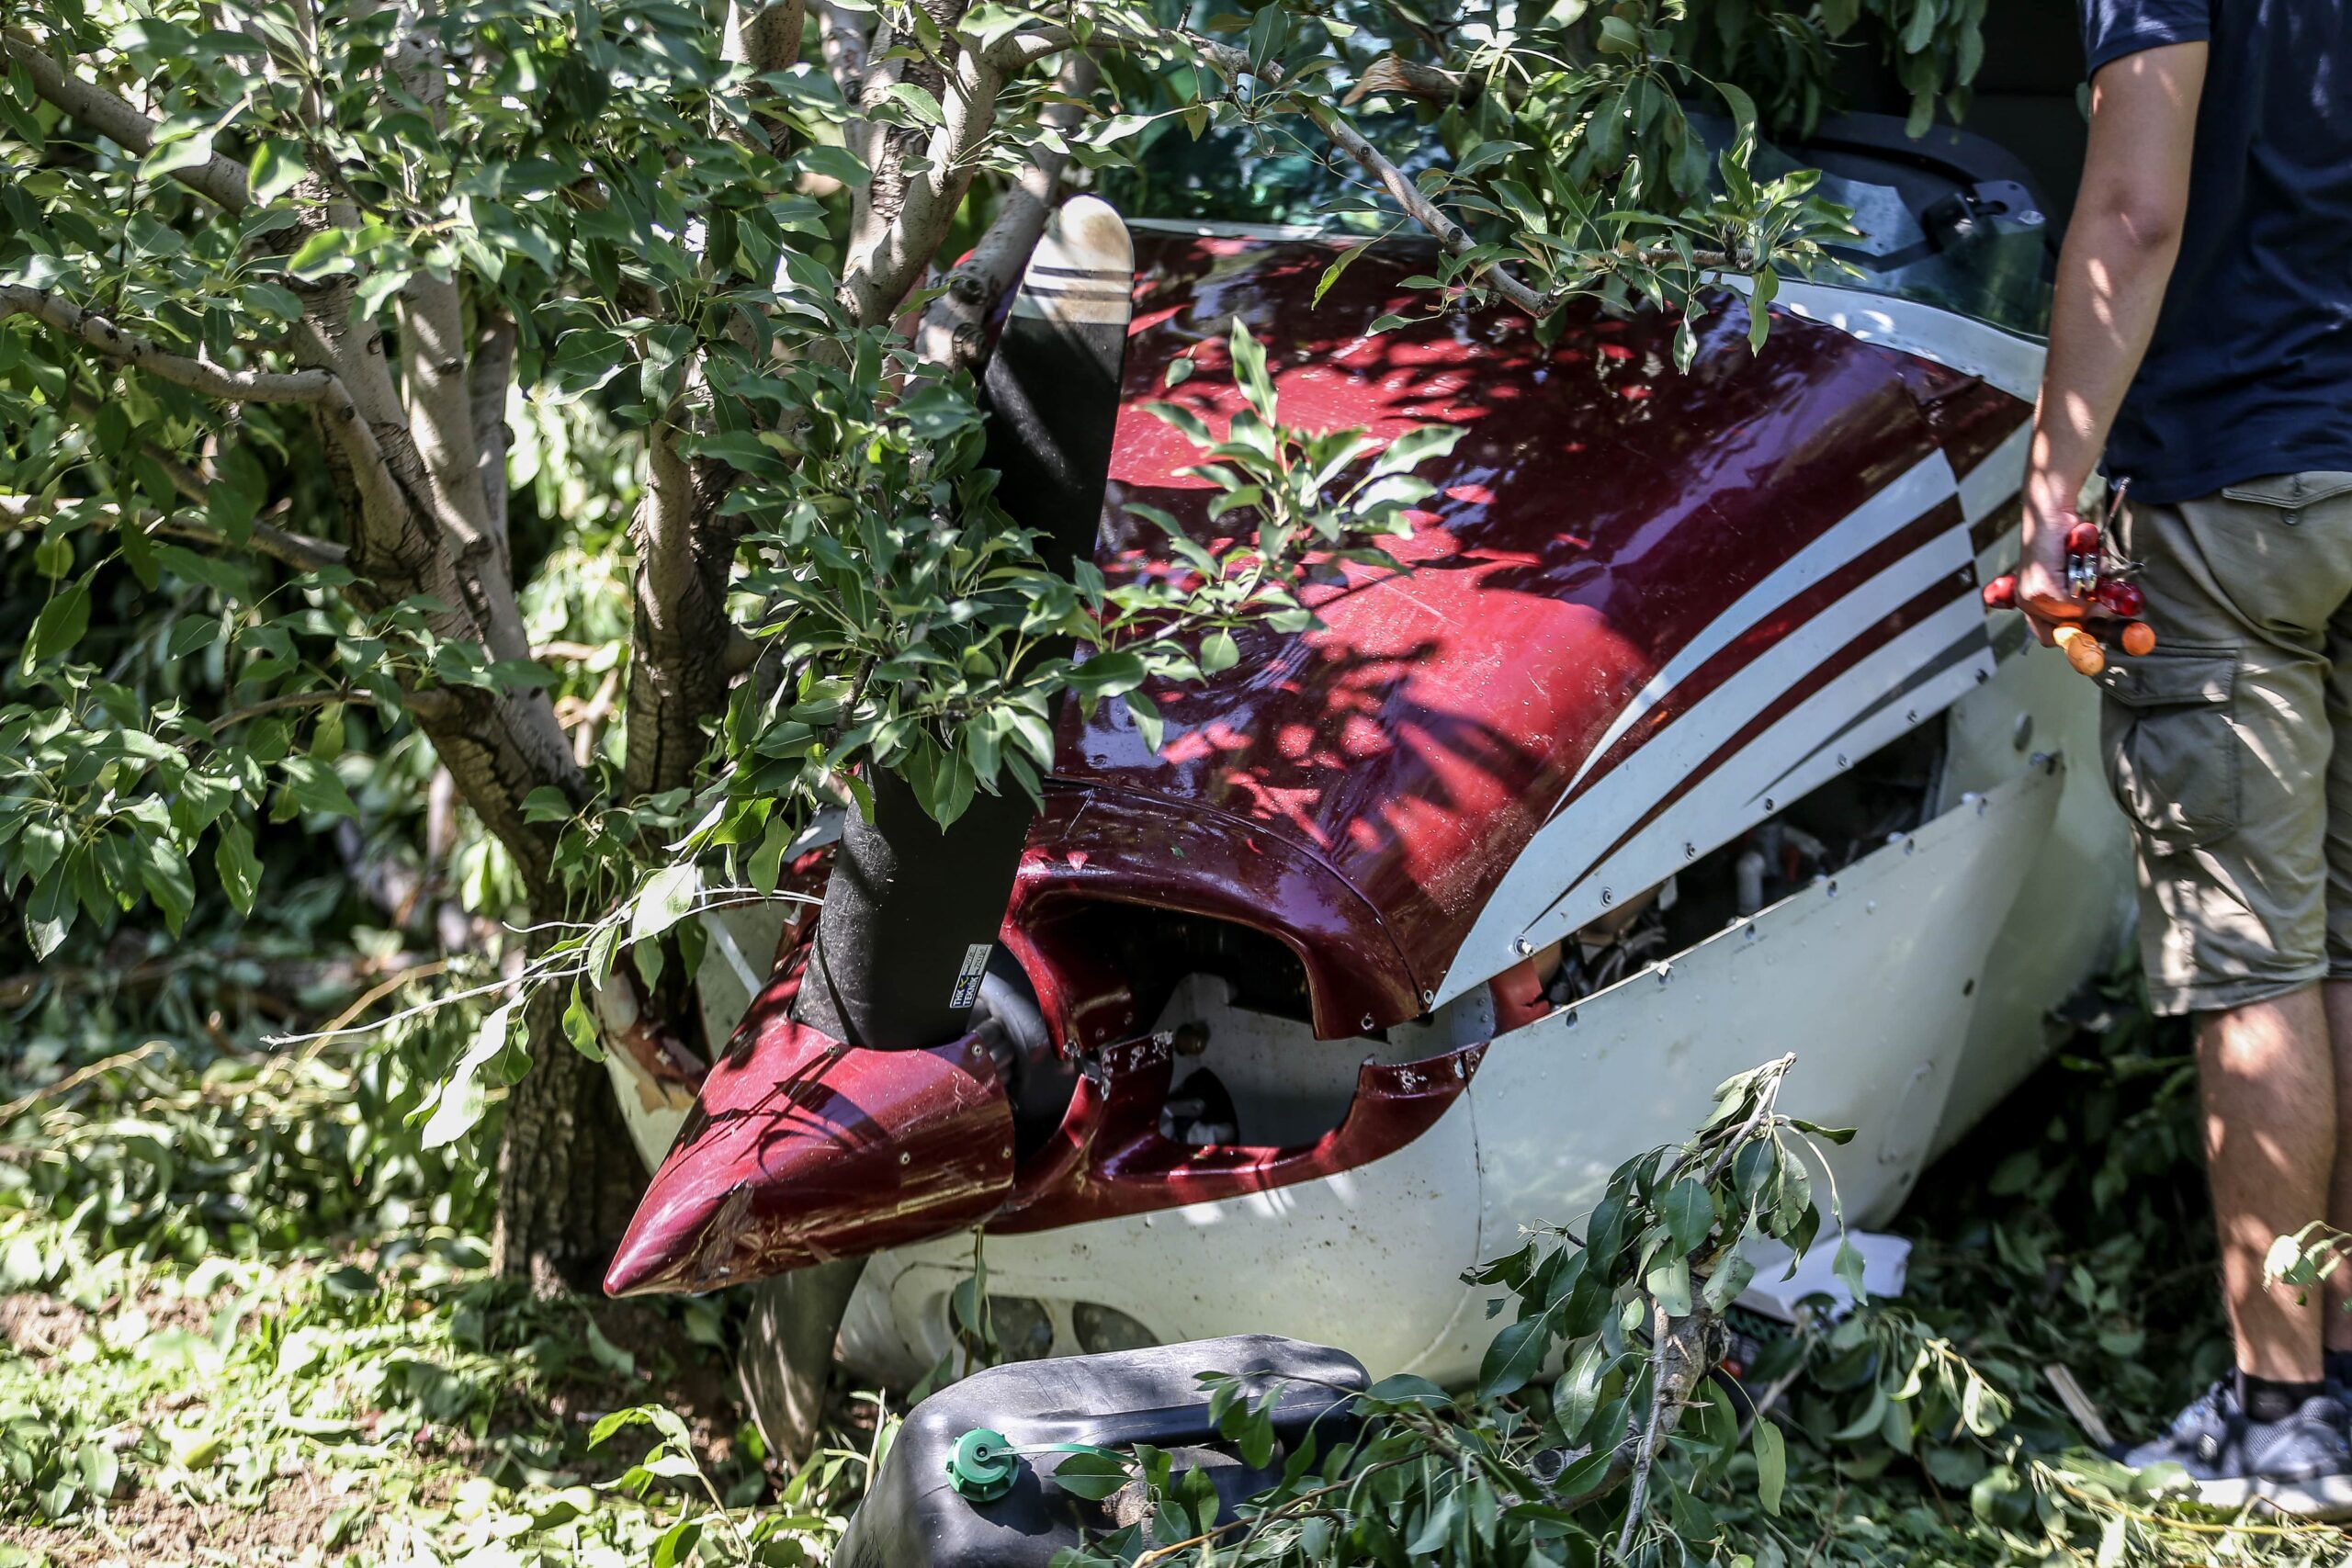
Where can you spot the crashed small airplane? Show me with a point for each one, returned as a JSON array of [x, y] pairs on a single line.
[[1684, 741]]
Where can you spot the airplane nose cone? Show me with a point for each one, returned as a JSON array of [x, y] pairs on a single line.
[[802, 1149]]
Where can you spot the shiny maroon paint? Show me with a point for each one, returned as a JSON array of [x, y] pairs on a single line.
[[802, 1149], [1356, 793], [1742, 649], [1600, 510]]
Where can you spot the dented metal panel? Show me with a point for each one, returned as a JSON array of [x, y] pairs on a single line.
[[1870, 978]]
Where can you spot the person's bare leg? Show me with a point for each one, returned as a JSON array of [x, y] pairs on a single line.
[[2337, 995], [2267, 1081]]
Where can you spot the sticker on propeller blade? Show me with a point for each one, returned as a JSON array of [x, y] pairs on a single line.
[[968, 979]]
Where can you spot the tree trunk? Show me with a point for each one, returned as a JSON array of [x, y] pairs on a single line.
[[568, 1174]]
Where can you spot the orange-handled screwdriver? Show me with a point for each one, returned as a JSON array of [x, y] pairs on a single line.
[[2082, 649]]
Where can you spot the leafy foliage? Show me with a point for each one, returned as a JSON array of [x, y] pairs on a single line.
[[240, 1299], [1921, 1430], [295, 1333], [920, 629], [648, 217], [1564, 1478]]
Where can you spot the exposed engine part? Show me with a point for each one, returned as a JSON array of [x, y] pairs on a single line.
[[1625, 939], [1883, 797], [1200, 1111], [1011, 1023], [1244, 1075], [1156, 949]]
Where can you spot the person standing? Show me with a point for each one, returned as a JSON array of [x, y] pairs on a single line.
[[2201, 339]]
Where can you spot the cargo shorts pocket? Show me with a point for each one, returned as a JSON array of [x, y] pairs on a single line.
[[2171, 758], [2291, 493]]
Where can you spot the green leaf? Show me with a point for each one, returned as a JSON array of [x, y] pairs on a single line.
[[1849, 1269], [1922, 25], [1578, 1393], [1092, 1476], [1743, 108], [462, 1098], [323, 254], [164, 873], [547, 804], [1339, 264], [766, 865], [1145, 714], [1772, 1464], [61, 623], [635, 1416], [1730, 1277], [171, 156], [677, 1543], [666, 898], [1437, 1529], [227, 578], [1765, 285], [240, 869], [835, 163], [1669, 1282], [1954, 1467], [579, 1026], [919, 103], [1249, 371], [1515, 1356], [1416, 446], [1108, 674], [275, 168], [1185, 422], [314, 786], [1689, 1214]]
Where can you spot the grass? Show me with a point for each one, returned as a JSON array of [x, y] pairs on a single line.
[[244, 1329], [249, 1321]]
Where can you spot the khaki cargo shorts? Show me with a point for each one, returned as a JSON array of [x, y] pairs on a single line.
[[2220, 745]]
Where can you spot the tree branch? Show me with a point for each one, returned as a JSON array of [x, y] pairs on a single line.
[[440, 405], [842, 41], [764, 36], [487, 381], [218, 180], [901, 218], [1235, 63], [196, 372], [300, 551], [680, 640], [954, 330], [333, 698]]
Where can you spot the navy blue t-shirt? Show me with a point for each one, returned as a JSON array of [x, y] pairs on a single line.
[[2250, 371]]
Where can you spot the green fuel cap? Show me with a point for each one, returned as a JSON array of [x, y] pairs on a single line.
[[981, 1466]]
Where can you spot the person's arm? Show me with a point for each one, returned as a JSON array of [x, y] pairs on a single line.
[[2111, 275]]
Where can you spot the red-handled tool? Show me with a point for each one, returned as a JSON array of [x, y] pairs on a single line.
[[2101, 592]]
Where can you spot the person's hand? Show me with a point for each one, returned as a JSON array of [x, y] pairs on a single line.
[[2042, 593]]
